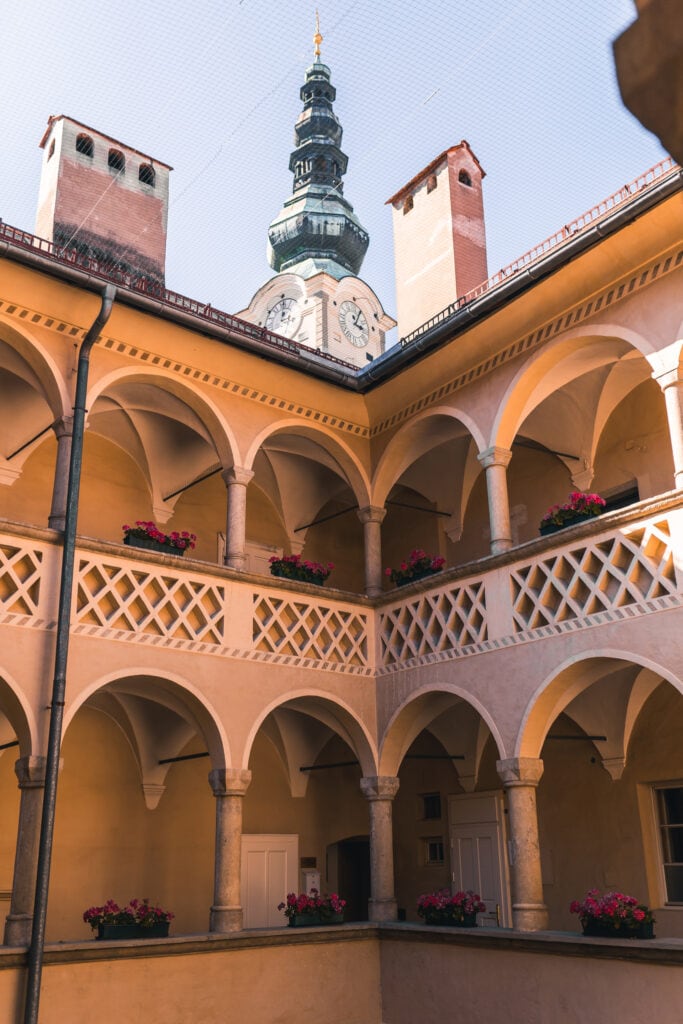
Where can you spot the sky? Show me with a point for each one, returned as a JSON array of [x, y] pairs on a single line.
[[212, 88]]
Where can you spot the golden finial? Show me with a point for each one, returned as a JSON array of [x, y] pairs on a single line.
[[317, 38]]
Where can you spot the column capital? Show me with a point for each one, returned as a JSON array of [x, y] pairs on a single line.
[[495, 457], [237, 475], [30, 772], [371, 514], [229, 781], [379, 787], [64, 426], [520, 771]]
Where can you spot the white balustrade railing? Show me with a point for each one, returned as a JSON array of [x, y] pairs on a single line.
[[594, 573]]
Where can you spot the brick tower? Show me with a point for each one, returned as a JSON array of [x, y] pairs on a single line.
[[439, 236], [104, 198]]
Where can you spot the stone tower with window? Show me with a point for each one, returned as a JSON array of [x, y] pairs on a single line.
[[439, 236], [104, 199]]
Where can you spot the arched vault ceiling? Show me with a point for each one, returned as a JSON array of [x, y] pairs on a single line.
[[553, 370], [12, 361], [298, 485], [566, 419], [136, 397]]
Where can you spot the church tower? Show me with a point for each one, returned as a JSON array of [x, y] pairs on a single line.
[[317, 244]]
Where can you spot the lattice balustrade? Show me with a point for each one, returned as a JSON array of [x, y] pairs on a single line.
[[130, 599], [627, 567], [321, 631], [20, 575], [432, 623]]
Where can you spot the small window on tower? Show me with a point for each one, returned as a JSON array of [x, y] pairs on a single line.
[[465, 179], [147, 175], [51, 151], [431, 182], [407, 204], [84, 145], [116, 161]]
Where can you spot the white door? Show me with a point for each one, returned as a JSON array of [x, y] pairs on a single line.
[[270, 867], [477, 841]]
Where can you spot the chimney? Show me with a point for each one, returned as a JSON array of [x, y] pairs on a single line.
[[103, 198], [439, 236]]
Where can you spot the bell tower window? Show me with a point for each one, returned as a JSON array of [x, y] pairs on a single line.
[[84, 145], [464, 179], [116, 161], [147, 175]]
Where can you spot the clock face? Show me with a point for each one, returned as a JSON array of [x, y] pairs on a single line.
[[284, 317], [353, 323]]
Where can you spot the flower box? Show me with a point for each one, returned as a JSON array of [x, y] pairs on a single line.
[[613, 915], [291, 567], [450, 921], [133, 931], [454, 910], [308, 908], [603, 930], [304, 920], [577, 509], [416, 567], [149, 544], [139, 919], [146, 535], [417, 576]]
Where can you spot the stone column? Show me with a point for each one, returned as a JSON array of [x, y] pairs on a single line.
[[236, 480], [380, 791], [63, 429], [229, 786], [495, 461], [673, 396], [372, 517], [520, 777], [31, 775]]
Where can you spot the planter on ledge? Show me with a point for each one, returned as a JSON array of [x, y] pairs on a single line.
[[307, 920], [448, 921], [149, 544], [304, 920], [133, 931], [548, 528], [603, 930], [417, 576]]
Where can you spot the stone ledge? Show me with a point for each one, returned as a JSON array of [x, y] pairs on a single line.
[[662, 952]]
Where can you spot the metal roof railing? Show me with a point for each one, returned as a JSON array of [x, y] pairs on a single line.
[[564, 234]]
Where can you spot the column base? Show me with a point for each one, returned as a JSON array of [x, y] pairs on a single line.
[[18, 928], [225, 919], [529, 917], [383, 910]]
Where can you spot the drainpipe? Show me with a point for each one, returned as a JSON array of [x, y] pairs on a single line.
[[35, 953]]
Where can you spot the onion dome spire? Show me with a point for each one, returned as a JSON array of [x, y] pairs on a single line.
[[317, 230]]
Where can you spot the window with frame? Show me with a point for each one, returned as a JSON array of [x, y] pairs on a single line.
[[433, 850], [431, 806], [670, 817]]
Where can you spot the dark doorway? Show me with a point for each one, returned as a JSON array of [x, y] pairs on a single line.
[[353, 873]]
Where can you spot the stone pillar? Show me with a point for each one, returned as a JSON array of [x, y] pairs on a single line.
[[372, 517], [236, 480], [229, 786], [63, 429], [495, 461], [31, 775], [520, 777], [380, 791], [673, 396]]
